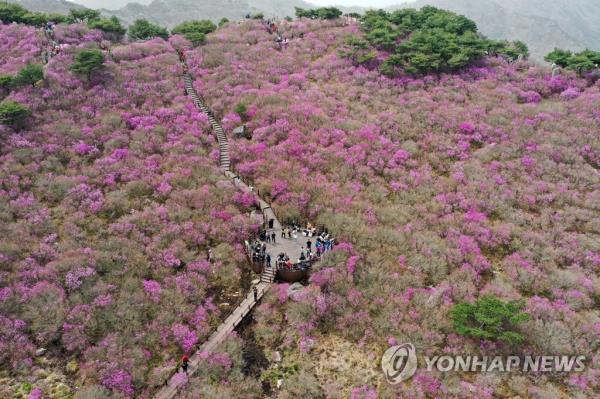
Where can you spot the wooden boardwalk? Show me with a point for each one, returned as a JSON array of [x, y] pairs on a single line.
[[222, 332], [289, 246]]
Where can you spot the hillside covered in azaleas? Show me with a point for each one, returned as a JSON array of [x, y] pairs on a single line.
[[440, 188], [443, 188], [110, 201]]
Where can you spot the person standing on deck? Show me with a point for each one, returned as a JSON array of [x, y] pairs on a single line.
[[273, 237], [255, 291]]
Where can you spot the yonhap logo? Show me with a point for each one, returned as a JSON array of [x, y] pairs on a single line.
[[399, 363]]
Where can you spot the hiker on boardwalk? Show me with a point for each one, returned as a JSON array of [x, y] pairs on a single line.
[[255, 291], [273, 237], [308, 244], [50, 30], [185, 363], [268, 260], [181, 54], [268, 237]]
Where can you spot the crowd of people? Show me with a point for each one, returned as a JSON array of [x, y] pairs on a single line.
[[183, 61], [259, 253], [270, 26], [318, 242], [281, 40], [55, 47]]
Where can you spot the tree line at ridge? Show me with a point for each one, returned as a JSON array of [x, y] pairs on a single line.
[[141, 29]]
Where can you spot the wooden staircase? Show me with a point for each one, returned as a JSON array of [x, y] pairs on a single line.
[[224, 161], [268, 275]]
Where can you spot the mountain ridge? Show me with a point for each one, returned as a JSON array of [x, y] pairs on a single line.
[[172, 12], [50, 6], [541, 24]]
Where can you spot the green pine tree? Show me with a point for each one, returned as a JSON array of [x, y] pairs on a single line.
[[87, 62], [489, 318]]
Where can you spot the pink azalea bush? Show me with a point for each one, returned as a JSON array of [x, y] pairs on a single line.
[[19, 46]]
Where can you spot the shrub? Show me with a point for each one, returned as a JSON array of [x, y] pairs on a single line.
[[223, 21], [15, 13], [581, 63], [87, 62], [82, 15], [57, 18], [35, 18], [29, 75], [509, 50], [13, 113], [358, 50], [204, 26], [196, 38], [489, 318], [11, 12], [110, 25], [92, 392], [430, 40], [318, 13], [302, 384], [559, 57], [5, 82], [141, 29], [44, 314], [241, 110]]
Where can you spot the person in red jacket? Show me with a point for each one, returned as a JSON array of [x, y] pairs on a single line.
[[185, 363]]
